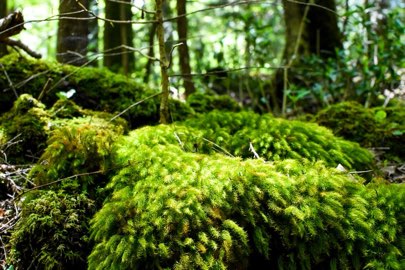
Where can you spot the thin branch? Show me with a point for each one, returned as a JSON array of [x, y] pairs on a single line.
[[19, 44], [171, 53], [9, 80], [252, 149], [133, 105], [60, 180], [227, 70]]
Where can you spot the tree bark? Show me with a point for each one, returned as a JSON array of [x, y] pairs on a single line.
[[3, 13], [164, 64], [310, 29], [72, 37], [184, 56], [117, 35], [151, 53]]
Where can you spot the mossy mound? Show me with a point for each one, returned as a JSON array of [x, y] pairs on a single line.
[[78, 158], [72, 172], [242, 134], [180, 210], [207, 102], [27, 126], [95, 89], [376, 127], [52, 232]]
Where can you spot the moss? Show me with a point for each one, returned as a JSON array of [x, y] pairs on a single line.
[[95, 89], [182, 210], [26, 124], [376, 127], [82, 149], [52, 232], [206, 102], [276, 139]]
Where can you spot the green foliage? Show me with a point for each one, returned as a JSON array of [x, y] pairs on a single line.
[[376, 127], [26, 124], [175, 209], [207, 102], [51, 233]]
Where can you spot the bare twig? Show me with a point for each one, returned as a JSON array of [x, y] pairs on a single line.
[[252, 149], [133, 105], [9, 80], [19, 44], [171, 53]]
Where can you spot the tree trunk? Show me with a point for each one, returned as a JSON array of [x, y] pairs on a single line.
[[93, 32], [164, 64], [310, 30], [151, 53], [116, 35], [72, 37], [3, 13], [184, 57]]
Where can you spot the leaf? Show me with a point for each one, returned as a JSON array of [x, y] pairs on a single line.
[[380, 116]]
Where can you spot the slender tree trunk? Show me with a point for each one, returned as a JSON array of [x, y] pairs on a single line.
[[3, 13], [309, 30], [184, 56], [116, 35], [151, 53], [72, 37], [93, 31], [164, 64]]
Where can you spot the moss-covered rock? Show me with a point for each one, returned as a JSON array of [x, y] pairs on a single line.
[[26, 125], [94, 89], [52, 232], [180, 210], [376, 127]]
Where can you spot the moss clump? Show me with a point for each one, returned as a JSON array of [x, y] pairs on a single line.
[[275, 139], [52, 232], [181, 210], [376, 127], [207, 102], [80, 149], [26, 124]]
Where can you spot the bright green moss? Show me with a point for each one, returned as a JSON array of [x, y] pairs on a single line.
[[273, 139], [51, 232], [175, 209], [376, 127], [82, 149]]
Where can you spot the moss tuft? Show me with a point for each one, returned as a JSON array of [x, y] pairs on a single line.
[[26, 124], [376, 127], [207, 102], [52, 232]]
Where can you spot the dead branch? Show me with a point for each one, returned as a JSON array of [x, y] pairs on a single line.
[[12, 25]]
